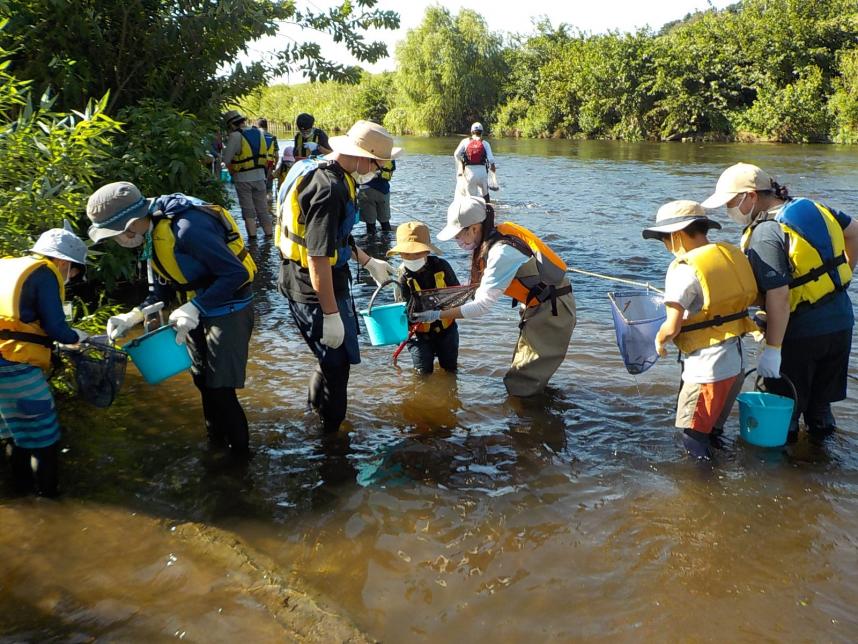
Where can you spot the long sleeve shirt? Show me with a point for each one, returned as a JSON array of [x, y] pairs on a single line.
[[502, 263]]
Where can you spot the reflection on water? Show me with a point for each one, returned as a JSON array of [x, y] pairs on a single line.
[[448, 511]]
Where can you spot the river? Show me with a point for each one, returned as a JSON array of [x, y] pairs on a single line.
[[446, 511]]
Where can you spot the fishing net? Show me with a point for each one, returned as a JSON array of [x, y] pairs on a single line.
[[440, 298], [99, 371], [637, 318]]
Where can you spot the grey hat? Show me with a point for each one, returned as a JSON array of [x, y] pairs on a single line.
[[233, 117], [112, 207], [61, 243], [463, 212]]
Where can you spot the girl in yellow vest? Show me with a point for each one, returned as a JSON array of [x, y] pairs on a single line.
[[708, 289], [32, 290], [508, 259]]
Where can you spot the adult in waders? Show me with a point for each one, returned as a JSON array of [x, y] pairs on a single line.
[[32, 290], [803, 254], [708, 289], [309, 141], [508, 259], [272, 154], [317, 208], [246, 156], [473, 157], [196, 256]]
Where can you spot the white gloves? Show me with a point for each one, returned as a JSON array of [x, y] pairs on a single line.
[[186, 318], [769, 364], [427, 317], [119, 325], [333, 331], [379, 270], [81, 336]]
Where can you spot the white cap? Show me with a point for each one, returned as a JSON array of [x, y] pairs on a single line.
[[477, 127], [735, 180], [463, 212]]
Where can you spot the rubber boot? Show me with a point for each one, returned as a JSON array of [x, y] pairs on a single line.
[[820, 422], [22, 471], [385, 227], [370, 229], [716, 438], [47, 470], [696, 444]]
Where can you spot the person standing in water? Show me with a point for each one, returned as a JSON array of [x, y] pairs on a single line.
[[473, 157]]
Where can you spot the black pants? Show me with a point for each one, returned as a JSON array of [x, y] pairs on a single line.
[[46, 474], [226, 423], [818, 368], [424, 347]]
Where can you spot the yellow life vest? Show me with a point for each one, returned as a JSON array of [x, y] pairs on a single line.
[[536, 280], [252, 154], [438, 281], [292, 224], [298, 148], [816, 248], [164, 254], [24, 342], [729, 288], [387, 170]]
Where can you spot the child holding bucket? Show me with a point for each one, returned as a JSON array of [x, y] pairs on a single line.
[[708, 289], [421, 269]]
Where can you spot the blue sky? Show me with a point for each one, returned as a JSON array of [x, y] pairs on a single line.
[[514, 16]]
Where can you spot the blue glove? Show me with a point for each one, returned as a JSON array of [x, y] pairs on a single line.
[[427, 317]]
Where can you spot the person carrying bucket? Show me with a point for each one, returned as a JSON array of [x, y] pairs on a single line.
[[421, 270], [708, 289], [509, 259], [32, 290], [316, 213], [195, 254], [802, 254]]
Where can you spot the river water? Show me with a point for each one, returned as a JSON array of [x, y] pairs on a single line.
[[444, 510]]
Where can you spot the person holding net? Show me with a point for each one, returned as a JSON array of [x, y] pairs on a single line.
[[509, 259], [708, 289]]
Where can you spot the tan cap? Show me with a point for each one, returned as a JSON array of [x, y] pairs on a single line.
[[413, 237], [677, 215], [463, 212], [735, 180], [366, 139]]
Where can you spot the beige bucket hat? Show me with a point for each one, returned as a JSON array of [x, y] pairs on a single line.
[[677, 215], [413, 237], [366, 139], [735, 180]]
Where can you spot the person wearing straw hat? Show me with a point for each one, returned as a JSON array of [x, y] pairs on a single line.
[[316, 214], [474, 158], [196, 256], [422, 269], [803, 254], [32, 290], [509, 259], [708, 289]]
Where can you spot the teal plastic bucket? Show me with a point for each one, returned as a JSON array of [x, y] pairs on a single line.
[[386, 324], [764, 418], [225, 177], [157, 355]]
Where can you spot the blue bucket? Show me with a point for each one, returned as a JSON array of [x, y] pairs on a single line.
[[225, 177], [157, 355], [387, 324], [764, 418]]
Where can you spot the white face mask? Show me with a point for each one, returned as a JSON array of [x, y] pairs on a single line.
[[130, 242], [67, 276], [736, 214], [364, 177], [414, 265]]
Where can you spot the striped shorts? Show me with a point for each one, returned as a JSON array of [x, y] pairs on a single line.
[[27, 411]]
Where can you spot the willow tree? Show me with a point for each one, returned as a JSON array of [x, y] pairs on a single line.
[[449, 73]]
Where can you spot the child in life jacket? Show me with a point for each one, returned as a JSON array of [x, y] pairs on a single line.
[[422, 269], [708, 289]]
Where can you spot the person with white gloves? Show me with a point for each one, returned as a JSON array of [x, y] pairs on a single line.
[[196, 256], [802, 253], [32, 290], [316, 215]]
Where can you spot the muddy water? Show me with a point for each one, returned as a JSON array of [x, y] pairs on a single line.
[[446, 511]]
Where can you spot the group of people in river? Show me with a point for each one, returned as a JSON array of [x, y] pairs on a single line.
[[796, 262]]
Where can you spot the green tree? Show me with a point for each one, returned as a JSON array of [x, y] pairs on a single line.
[[449, 73], [843, 104]]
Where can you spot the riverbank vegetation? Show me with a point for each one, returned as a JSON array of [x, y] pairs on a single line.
[[773, 70]]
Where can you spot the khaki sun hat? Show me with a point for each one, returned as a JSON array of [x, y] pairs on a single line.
[[233, 117], [735, 180], [413, 237], [677, 215], [463, 212], [113, 207], [366, 139]]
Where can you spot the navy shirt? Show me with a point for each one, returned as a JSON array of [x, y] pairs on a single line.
[[769, 257], [40, 302]]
